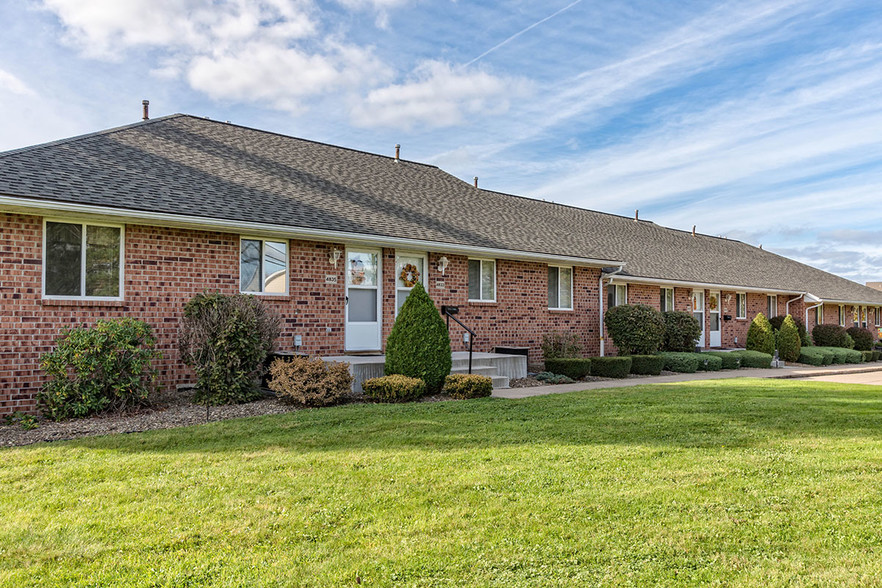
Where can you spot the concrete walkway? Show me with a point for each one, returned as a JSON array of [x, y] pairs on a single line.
[[854, 374]]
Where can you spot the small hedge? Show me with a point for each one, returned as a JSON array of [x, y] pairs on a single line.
[[465, 386], [647, 365], [310, 382], [709, 363], [863, 338], [571, 367], [852, 356], [611, 367], [811, 356], [681, 331], [868, 356], [394, 388], [843, 356], [830, 336], [681, 362], [877, 355], [731, 361], [754, 359]]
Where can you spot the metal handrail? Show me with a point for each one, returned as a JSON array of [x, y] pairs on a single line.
[[472, 334]]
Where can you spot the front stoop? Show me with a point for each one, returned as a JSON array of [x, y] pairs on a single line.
[[501, 368]]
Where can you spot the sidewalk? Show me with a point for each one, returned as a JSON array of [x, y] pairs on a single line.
[[785, 372]]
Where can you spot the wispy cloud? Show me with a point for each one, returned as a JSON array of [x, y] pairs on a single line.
[[13, 85]]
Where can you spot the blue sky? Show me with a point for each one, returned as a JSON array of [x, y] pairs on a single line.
[[755, 120]]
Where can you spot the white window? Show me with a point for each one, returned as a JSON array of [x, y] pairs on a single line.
[[409, 269], [773, 307], [864, 316], [82, 260], [876, 314], [841, 315], [263, 266], [741, 305], [482, 280], [616, 294], [819, 315], [666, 302], [560, 288]]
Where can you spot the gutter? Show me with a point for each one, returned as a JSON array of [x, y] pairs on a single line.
[[600, 296], [22, 205], [787, 305]]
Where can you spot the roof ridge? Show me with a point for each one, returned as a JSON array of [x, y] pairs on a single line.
[[314, 142], [89, 135]]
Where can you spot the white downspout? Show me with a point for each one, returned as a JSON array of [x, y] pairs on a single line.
[[808, 308], [610, 275], [787, 305]]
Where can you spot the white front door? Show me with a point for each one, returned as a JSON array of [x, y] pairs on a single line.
[[364, 299], [713, 310], [698, 313]]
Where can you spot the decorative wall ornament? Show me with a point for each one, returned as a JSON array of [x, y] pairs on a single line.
[[443, 262], [334, 257], [409, 275]]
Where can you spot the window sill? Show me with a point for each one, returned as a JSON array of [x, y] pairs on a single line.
[[282, 297], [560, 310], [482, 302], [83, 302]]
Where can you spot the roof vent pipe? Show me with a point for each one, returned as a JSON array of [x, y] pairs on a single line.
[[476, 181], [693, 230], [397, 152], [146, 108], [637, 215]]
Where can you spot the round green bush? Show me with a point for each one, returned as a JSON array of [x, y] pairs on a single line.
[[863, 338], [730, 361], [789, 342], [811, 356], [611, 367], [635, 329], [681, 331], [681, 362], [463, 386], [394, 388], [647, 365], [419, 345], [101, 368], [830, 336], [755, 359], [867, 356], [572, 367], [760, 336], [777, 321], [709, 363]]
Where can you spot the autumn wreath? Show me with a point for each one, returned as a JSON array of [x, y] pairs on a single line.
[[409, 275]]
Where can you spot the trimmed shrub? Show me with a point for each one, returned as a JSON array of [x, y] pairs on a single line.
[[828, 357], [863, 338], [760, 336], [681, 362], [777, 321], [789, 343], [811, 356], [419, 345], [393, 388], [557, 345], [465, 386], [867, 356], [101, 368], [647, 365], [681, 331], [829, 336], [572, 367], [877, 355], [731, 361], [754, 359], [709, 363], [840, 354], [310, 382], [550, 378], [636, 329], [226, 339], [852, 356], [849, 342], [611, 367]]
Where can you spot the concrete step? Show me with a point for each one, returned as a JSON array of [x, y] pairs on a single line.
[[464, 363], [487, 370], [499, 382]]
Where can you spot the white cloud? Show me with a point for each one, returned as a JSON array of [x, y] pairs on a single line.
[[11, 84], [437, 95]]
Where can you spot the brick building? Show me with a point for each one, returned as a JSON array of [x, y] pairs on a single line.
[[135, 220]]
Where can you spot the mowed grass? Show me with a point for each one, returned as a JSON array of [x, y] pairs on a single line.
[[751, 482]]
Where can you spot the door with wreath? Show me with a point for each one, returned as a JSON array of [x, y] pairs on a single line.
[[410, 268]]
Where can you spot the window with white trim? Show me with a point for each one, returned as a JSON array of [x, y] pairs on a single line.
[[560, 288], [666, 299], [841, 315], [773, 306], [616, 295], [409, 269], [82, 260], [263, 266], [482, 280], [876, 314], [864, 316], [741, 305]]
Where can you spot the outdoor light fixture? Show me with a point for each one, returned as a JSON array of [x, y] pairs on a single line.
[[335, 257], [442, 265]]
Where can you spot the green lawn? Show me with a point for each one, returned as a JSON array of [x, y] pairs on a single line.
[[751, 482]]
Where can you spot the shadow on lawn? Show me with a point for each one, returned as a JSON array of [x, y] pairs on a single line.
[[698, 414]]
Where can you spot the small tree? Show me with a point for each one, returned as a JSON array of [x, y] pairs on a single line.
[[419, 345], [760, 336], [789, 343], [226, 339], [636, 329], [800, 327], [681, 331]]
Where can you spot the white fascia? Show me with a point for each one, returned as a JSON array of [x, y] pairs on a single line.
[[703, 285]]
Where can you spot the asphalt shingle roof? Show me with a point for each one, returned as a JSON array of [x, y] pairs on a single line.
[[191, 166]]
